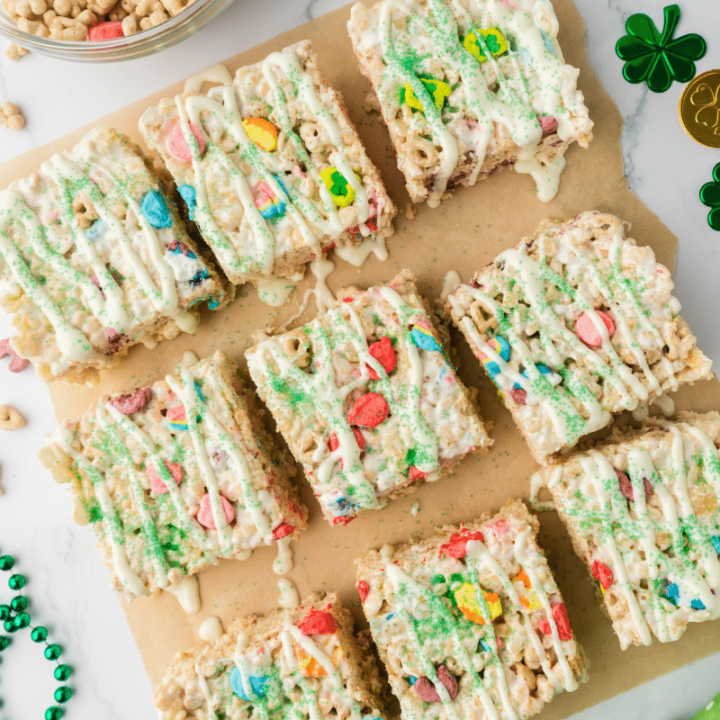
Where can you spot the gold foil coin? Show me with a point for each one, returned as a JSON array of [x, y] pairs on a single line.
[[700, 108]]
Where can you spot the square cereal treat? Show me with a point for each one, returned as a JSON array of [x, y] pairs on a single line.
[[575, 324], [303, 662], [465, 88], [366, 398], [642, 512], [270, 164], [470, 622], [94, 259], [175, 476]]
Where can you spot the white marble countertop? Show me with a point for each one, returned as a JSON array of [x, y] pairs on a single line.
[[67, 582]]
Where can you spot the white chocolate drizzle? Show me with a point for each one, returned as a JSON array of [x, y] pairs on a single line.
[[211, 629], [187, 592], [109, 306], [289, 596], [695, 581], [514, 110], [128, 579], [118, 429], [321, 388], [312, 222], [414, 600], [533, 276], [209, 700], [283, 564]]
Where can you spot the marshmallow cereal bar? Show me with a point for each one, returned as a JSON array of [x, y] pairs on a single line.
[[470, 623], [94, 259], [270, 165], [366, 398], [175, 476], [293, 664], [575, 324], [642, 512], [465, 88]]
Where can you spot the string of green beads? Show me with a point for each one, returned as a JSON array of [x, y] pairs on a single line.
[[15, 617]]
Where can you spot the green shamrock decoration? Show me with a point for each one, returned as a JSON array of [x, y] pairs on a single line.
[[341, 190], [657, 58], [494, 39], [710, 196], [439, 91], [711, 711]]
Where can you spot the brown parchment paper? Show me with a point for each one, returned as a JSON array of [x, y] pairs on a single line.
[[463, 234]]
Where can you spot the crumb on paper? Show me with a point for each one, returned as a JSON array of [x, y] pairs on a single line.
[[10, 418], [410, 212], [11, 117], [15, 51], [371, 103], [415, 508]]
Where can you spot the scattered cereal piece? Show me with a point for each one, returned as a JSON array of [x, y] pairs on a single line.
[[10, 116], [15, 51], [10, 418], [17, 364]]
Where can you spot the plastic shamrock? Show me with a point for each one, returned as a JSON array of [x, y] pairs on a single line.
[[494, 40], [656, 58], [710, 196], [711, 711], [439, 92]]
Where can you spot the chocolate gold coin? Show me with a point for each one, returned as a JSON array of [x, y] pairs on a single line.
[[700, 108]]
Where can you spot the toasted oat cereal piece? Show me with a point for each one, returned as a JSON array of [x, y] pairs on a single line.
[[469, 622], [175, 476], [11, 117], [270, 165], [465, 88], [575, 324], [94, 259], [366, 398], [642, 512], [14, 51], [10, 418], [303, 662]]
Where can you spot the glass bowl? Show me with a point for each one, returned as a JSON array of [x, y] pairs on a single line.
[[189, 21]]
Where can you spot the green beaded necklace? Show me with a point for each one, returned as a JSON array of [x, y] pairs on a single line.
[[15, 617]]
